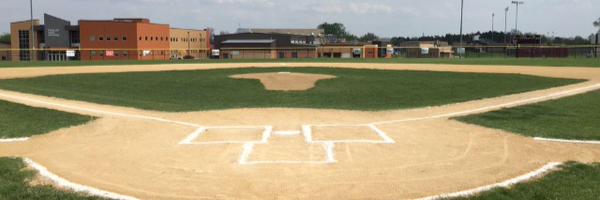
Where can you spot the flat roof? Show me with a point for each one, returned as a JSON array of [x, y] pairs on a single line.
[[248, 41]]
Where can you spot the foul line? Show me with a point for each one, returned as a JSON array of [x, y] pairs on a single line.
[[567, 141], [102, 112], [514, 103], [43, 171], [543, 170], [9, 140]]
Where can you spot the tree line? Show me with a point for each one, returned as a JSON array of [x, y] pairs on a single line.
[[338, 30]]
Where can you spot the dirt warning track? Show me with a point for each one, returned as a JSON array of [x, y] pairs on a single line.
[[282, 153]]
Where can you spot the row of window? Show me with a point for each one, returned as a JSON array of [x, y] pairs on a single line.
[[124, 53], [145, 38], [107, 38]]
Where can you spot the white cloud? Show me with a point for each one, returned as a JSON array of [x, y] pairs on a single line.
[[383, 17]]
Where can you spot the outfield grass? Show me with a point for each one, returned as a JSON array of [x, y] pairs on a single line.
[[574, 181], [557, 62], [576, 117], [14, 184], [22, 121], [354, 89]]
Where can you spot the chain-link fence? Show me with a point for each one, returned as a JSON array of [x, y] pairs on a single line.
[[342, 52]]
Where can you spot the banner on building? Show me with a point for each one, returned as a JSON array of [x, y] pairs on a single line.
[[70, 53], [424, 51], [110, 53]]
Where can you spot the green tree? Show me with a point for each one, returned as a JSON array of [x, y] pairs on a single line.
[[5, 38], [336, 29], [368, 37], [597, 24]]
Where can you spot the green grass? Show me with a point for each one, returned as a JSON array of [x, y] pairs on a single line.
[[354, 89], [14, 184], [557, 62], [574, 181], [576, 117], [22, 121]]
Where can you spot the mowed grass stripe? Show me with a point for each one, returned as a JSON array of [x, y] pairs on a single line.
[[574, 181], [18, 120], [354, 89], [576, 117]]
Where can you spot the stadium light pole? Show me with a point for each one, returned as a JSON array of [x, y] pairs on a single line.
[[517, 3], [32, 31], [505, 23], [493, 16], [462, 3]]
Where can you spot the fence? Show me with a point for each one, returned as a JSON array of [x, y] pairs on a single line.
[[342, 52]]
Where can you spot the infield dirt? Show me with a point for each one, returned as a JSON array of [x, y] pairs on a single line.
[[138, 153]]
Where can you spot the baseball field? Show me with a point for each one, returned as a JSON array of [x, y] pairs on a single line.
[[301, 130]]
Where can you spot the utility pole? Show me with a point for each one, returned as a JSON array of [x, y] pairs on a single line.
[[505, 23], [493, 15], [32, 53], [461, 25], [517, 3]]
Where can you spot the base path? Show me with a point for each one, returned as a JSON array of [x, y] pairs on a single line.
[[283, 153]]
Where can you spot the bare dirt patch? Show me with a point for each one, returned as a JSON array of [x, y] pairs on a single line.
[[285, 81], [137, 153]]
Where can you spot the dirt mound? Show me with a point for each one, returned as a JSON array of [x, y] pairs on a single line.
[[285, 81]]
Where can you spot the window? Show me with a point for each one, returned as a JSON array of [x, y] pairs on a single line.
[[93, 53], [146, 38], [124, 38], [101, 38], [24, 44], [92, 38], [151, 38], [140, 38], [116, 38], [108, 38], [161, 38]]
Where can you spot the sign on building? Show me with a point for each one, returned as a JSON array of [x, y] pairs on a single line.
[[424, 51], [110, 53], [70, 53]]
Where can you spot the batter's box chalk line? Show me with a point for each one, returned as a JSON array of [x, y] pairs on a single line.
[[306, 132]]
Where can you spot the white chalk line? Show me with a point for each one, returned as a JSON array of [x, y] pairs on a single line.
[[529, 176], [61, 182], [10, 140], [102, 112], [455, 114], [306, 132], [488, 108], [567, 141]]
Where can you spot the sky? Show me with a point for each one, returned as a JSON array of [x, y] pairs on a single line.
[[386, 18]]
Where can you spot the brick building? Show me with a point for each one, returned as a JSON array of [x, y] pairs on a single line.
[[124, 39], [265, 46], [189, 43]]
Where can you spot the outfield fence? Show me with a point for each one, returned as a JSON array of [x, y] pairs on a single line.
[[342, 52]]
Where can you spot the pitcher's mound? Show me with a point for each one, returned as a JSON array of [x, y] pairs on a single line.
[[285, 81]]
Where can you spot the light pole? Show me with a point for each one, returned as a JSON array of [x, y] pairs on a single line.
[[505, 23], [32, 53], [493, 15], [461, 26], [517, 3]]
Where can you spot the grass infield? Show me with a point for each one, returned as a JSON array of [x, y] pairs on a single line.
[[576, 117], [15, 179], [574, 181], [18, 120], [556, 62], [353, 89]]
